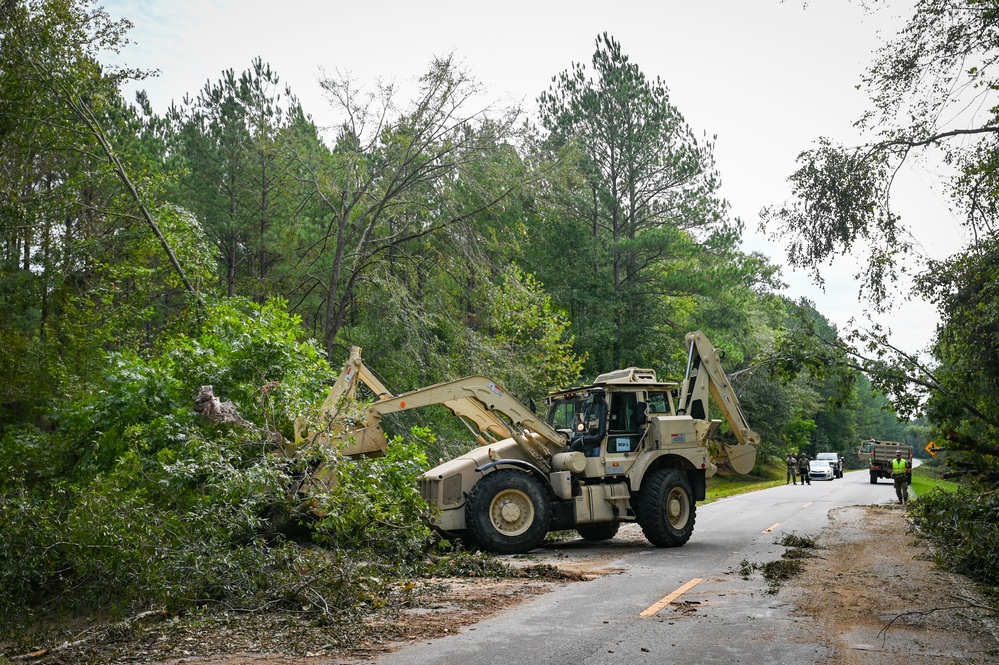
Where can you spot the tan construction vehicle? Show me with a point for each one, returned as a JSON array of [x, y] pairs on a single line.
[[627, 448]]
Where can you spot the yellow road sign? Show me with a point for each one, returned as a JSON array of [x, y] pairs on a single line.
[[932, 449]]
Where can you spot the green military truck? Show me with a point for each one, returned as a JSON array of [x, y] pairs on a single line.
[[879, 455]]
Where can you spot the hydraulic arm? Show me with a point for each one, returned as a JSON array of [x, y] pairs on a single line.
[[479, 402], [705, 376]]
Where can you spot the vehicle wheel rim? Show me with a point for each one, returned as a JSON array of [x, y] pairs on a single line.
[[677, 508], [511, 512]]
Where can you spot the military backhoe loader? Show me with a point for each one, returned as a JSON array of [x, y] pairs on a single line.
[[627, 448]]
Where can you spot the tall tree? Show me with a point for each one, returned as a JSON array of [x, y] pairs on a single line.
[[387, 182], [645, 216], [236, 175], [89, 254], [454, 302], [963, 397]]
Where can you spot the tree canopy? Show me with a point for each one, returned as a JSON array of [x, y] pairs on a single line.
[[643, 222]]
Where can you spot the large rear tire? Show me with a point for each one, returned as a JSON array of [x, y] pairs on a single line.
[[596, 532], [665, 508], [508, 512], [874, 478]]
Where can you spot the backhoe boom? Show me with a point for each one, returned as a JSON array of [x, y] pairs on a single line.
[[704, 376]]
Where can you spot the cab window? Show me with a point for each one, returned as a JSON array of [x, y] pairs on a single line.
[[562, 414], [623, 412], [658, 402]]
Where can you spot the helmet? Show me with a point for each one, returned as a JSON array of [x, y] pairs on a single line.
[[898, 452]]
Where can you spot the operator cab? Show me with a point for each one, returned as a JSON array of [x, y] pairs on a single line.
[[582, 417], [609, 418]]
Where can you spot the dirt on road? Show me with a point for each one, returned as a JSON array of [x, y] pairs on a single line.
[[874, 597], [871, 596]]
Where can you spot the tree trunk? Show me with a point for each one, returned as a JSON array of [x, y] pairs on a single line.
[[230, 274]]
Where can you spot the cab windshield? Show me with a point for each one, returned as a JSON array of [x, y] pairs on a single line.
[[572, 411]]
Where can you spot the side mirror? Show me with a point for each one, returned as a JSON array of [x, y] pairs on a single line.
[[534, 406]]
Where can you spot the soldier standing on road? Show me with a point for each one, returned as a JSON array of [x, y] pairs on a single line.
[[803, 468], [900, 470], [792, 473]]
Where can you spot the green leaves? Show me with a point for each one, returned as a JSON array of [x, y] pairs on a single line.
[[644, 228], [963, 527], [135, 499], [965, 384], [375, 510], [524, 320], [234, 145], [841, 198]]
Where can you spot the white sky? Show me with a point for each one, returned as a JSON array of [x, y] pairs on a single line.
[[766, 77]]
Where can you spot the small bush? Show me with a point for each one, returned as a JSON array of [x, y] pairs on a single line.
[[964, 526]]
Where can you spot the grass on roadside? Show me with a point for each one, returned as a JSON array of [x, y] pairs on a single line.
[[927, 475], [720, 486], [924, 478]]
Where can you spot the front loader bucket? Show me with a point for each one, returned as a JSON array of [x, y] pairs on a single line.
[[362, 442], [367, 441], [734, 459]]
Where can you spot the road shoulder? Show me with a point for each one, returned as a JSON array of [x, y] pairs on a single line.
[[873, 596]]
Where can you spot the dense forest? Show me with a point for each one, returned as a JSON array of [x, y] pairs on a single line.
[[230, 241]]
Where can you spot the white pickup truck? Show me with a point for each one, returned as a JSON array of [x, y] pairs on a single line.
[[835, 461]]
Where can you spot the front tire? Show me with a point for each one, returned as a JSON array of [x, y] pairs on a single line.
[[508, 512], [665, 508], [597, 532]]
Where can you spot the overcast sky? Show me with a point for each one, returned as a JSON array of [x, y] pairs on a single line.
[[767, 78]]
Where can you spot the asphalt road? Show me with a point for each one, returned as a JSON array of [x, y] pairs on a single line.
[[615, 618]]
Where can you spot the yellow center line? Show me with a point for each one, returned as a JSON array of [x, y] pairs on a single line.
[[771, 528], [670, 598]]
